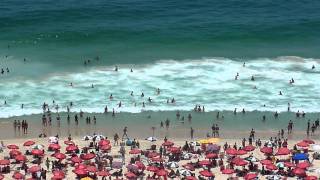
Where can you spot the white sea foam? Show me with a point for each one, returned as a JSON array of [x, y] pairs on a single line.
[[209, 82]]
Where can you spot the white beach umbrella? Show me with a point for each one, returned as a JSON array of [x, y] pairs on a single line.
[[38, 146], [98, 137], [87, 138], [53, 139], [185, 172], [151, 139], [172, 164], [187, 156], [315, 147]]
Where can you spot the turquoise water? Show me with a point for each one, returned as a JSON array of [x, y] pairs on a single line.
[[190, 50]]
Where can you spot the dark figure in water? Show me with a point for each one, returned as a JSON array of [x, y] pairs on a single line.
[[280, 93], [252, 78], [276, 114], [313, 67], [116, 68]]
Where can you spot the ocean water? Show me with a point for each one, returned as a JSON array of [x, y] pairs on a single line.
[[191, 50]]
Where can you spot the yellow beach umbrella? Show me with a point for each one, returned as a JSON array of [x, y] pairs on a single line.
[[86, 178], [209, 141]]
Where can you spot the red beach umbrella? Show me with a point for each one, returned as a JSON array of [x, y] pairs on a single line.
[[283, 151], [59, 156], [17, 175], [250, 176], [227, 171], [309, 141], [249, 148], [135, 151], [14, 152], [299, 172], [92, 169], [212, 156], [54, 147], [28, 143], [140, 165], [58, 175], [76, 159], [162, 172], [4, 162], [302, 144], [241, 152], [311, 178], [265, 162], [21, 158], [266, 150], [104, 142], [174, 150], [105, 147], [71, 148], [152, 154], [157, 159], [271, 167], [303, 165], [152, 168], [37, 152], [231, 151], [130, 175], [103, 173], [81, 166], [191, 178], [1, 176], [80, 172], [288, 164], [189, 167], [241, 163], [167, 143], [206, 173], [12, 146], [204, 163], [68, 143], [34, 169], [87, 156]]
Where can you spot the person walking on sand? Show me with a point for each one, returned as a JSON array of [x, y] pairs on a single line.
[[116, 139], [191, 132], [125, 131]]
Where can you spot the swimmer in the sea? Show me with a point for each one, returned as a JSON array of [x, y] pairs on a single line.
[[116, 68], [158, 91], [313, 67], [252, 78], [280, 93], [131, 70], [149, 99], [110, 97], [142, 94], [92, 86], [131, 94]]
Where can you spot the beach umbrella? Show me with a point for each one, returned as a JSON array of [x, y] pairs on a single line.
[[28, 143], [17, 175], [4, 162], [240, 162], [173, 164], [152, 168], [288, 164], [283, 151], [34, 169], [135, 151], [228, 171], [76, 159], [81, 166], [12, 146], [250, 176], [37, 152], [187, 156], [71, 148], [140, 165], [303, 165], [271, 167], [53, 139], [130, 175], [58, 175], [105, 147], [117, 165], [309, 141], [157, 159], [191, 178], [299, 172], [68, 142], [209, 141], [54, 147], [252, 159], [249, 148], [103, 173], [231, 151], [174, 150], [151, 139], [266, 150], [20, 158], [204, 163], [189, 166], [311, 178], [300, 156], [212, 148], [265, 162], [80, 172], [87, 156], [315, 147], [104, 142], [302, 144], [206, 173], [152, 154], [184, 172], [241, 152], [14, 152], [167, 143], [98, 137], [280, 165], [212, 156], [87, 138], [38, 146], [92, 169], [59, 156], [132, 167], [1, 176], [162, 172]]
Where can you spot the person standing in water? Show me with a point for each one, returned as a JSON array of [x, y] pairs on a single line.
[[191, 132]]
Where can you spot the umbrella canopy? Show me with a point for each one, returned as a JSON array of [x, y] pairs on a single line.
[[271, 167], [80, 172], [104, 142], [17, 175], [59, 156], [71, 148], [303, 165], [228, 171], [132, 167], [1, 176], [299, 172], [87, 156], [241, 152], [212, 156], [173, 164], [162, 172], [302, 144], [191, 178], [250, 176], [288, 164], [81, 166], [38, 146], [249, 148], [37, 152], [209, 141], [98, 137], [240, 162], [58, 175], [117, 165], [300, 156], [204, 163], [283, 151], [105, 147], [54, 146], [130, 175], [12, 146], [231, 151], [103, 173], [20, 158], [135, 151], [311, 178], [206, 173], [140, 165], [189, 166], [266, 150], [53, 139], [34, 169], [309, 141], [212, 148], [265, 162], [185, 172], [151, 139], [92, 169], [68, 142], [167, 143], [28, 143], [174, 150], [76, 159], [4, 162], [152, 168]]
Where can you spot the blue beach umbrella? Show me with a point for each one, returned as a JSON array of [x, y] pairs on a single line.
[[300, 156]]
